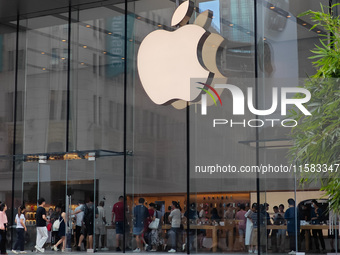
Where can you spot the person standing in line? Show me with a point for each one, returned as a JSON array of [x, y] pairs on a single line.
[[118, 216], [140, 214], [316, 216], [79, 213], [89, 214], [41, 226], [281, 233], [61, 233], [55, 215], [249, 228], [241, 218], [100, 227], [175, 218], [155, 240], [3, 227], [21, 229], [254, 234], [276, 221], [192, 217], [291, 215]]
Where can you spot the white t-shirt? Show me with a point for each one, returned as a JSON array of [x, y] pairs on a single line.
[[101, 215], [202, 214], [175, 218], [18, 220]]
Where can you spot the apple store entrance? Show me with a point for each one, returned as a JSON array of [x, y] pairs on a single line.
[[64, 180]]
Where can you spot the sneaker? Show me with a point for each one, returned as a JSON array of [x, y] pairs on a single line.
[[153, 250], [172, 250], [118, 249], [183, 247], [254, 251], [23, 252], [104, 249], [292, 252], [146, 247], [42, 250], [250, 251], [15, 252], [136, 250]]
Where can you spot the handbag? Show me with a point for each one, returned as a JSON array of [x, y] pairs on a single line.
[[154, 224], [56, 225]]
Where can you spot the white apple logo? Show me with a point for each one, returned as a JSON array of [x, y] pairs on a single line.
[[167, 61]]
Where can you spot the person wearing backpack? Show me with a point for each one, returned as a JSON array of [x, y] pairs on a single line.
[[88, 226], [61, 233]]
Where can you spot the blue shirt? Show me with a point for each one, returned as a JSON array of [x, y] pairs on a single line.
[[318, 215], [291, 220], [140, 213]]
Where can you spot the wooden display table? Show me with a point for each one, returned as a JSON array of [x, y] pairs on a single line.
[[229, 226], [306, 228]]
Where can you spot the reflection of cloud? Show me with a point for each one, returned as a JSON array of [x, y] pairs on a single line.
[[213, 6]]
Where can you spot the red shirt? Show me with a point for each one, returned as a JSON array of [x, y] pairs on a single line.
[[118, 210]]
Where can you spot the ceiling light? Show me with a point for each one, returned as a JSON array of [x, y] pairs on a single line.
[[43, 53], [84, 46], [63, 40], [88, 26]]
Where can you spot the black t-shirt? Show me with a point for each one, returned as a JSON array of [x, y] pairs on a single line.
[[39, 217]]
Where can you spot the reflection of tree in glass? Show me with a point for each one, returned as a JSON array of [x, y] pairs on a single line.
[[317, 137]]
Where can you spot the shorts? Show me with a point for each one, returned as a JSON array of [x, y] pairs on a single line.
[[254, 236], [119, 227], [138, 230], [100, 229], [88, 229]]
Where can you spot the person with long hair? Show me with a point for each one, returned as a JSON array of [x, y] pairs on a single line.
[[61, 233], [3, 227], [21, 229]]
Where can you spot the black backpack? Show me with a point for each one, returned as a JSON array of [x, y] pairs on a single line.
[[88, 213]]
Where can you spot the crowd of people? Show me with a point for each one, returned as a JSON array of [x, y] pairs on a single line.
[[148, 227]]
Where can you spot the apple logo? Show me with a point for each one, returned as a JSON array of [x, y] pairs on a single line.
[[168, 61]]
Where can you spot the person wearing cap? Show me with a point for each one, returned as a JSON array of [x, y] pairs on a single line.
[[316, 215], [293, 225]]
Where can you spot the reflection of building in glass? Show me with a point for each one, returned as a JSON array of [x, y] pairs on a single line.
[[64, 92]]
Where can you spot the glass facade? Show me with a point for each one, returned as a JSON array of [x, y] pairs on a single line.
[[76, 124]]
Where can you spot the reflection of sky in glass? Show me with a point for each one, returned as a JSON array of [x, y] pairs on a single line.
[[215, 7]]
